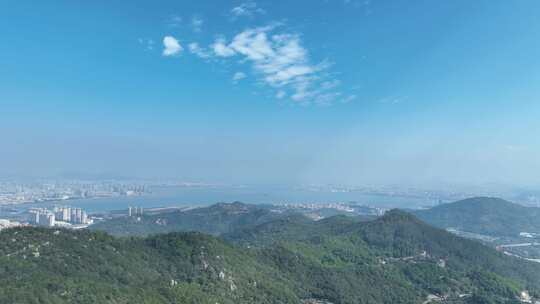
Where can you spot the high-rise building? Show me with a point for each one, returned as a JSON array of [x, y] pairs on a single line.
[[84, 218], [65, 215], [135, 211], [73, 215], [35, 218], [78, 213], [51, 220], [46, 218]]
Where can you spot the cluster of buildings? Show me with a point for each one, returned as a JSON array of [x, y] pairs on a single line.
[[13, 192], [41, 217], [529, 235], [71, 215], [342, 207], [135, 211], [59, 216], [318, 206]]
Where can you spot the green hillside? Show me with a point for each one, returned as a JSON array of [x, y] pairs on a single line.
[[484, 215], [64, 266], [394, 259], [216, 219], [397, 247]]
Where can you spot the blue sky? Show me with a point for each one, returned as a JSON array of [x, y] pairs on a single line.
[[318, 91]]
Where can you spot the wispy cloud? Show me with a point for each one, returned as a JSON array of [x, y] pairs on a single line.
[[221, 49], [246, 9], [515, 148], [281, 62], [364, 5], [194, 48], [392, 99], [278, 59], [174, 21], [238, 76], [147, 43], [197, 23], [349, 98], [171, 46], [281, 94]]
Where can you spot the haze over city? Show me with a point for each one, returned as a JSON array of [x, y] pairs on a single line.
[[342, 92]]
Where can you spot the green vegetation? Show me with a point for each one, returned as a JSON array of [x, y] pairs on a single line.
[[215, 220], [62, 266], [484, 215], [342, 260], [402, 256]]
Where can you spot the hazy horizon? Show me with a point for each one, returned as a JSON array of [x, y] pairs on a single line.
[[327, 92]]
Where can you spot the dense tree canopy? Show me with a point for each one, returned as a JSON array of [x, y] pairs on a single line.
[[289, 259]]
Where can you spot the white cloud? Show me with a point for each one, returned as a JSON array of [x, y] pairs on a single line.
[[221, 49], [172, 46], [197, 23], [194, 48], [238, 76], [278, 60], [282, 63], [247, 9], [285, 75], [330, 84], [253, 44]]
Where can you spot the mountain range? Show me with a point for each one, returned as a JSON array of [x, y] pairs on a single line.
[[259, 256]]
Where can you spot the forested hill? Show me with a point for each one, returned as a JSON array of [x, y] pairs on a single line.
[[484, 215], [40, 265], [394, 259], [216, 219], [410, 246]]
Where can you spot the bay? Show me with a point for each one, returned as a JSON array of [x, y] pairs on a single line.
[[172, 196]]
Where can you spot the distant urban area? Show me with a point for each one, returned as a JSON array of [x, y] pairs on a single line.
[[51, 190], [59, 216], [48, 202], [12, 192]]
